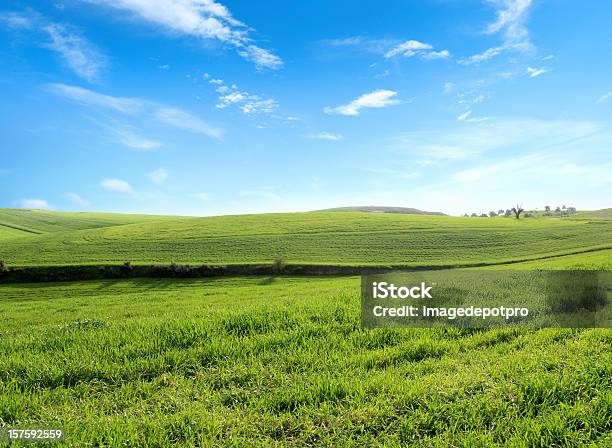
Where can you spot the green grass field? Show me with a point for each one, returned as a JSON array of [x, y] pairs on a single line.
[[282, 361], [315, 237]]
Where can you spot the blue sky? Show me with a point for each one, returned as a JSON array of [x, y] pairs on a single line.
[[199, 107]]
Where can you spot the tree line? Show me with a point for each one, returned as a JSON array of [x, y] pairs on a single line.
[[518, 211]]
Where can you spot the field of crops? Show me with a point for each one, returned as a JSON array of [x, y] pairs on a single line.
[[321, 237]]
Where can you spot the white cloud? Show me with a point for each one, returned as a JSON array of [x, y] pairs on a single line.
[[17, 21], [256, 106], [204, 19], [134, 140], [79, 54], [261, 57], [159, 176], [181, 119], [604, 98], [481, 57], [117, 185], [444, 54], [248, 103], [449, 87], [77, 199], [378, 46], [76, 51], [325, 136], [408, 49], [202, 196], [535, 72], [171, 116], [510, 20], [90, 98], [464, 115], [412, 48], [38, 204], [375, 99]]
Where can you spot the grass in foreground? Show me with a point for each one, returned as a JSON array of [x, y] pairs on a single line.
[[284, 362]]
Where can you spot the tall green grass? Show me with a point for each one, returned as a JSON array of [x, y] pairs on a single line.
[[284, 362]]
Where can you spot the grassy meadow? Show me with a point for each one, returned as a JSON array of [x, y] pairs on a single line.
[[283, 361], [348, 238]]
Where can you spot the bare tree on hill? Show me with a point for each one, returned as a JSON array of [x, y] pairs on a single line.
[[517, 211]]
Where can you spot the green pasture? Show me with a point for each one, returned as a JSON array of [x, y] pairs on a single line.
[[316, 237], [284, 362]]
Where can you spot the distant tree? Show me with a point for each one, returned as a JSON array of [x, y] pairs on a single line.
[[473, 215], [500, 212], [558, 209], [517, 211], [547, 208], [508, 213], [571, 209], [484, 215], [492, 214], [528, 215], [465, 215], [563, 207]]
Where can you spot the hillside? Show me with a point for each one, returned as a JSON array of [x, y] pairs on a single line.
[[24, 222], [605, 213], [382, 209], [314, 237]]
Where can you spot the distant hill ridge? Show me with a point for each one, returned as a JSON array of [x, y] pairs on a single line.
[[382, 209]]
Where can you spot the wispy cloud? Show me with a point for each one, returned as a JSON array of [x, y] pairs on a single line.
[[180, 119], [76, 199], [510, 21], [535, 72], [159, 176], [479, 173], [434, 147], [412, 48], [604, 98], [464, 115], [168, 115], [127, 136], [204, 19], [117, 185], [37, 204], [80, 55], [378, 46], [481, 57], [376, 99], [88, 97], [325, 136], [15, 20]]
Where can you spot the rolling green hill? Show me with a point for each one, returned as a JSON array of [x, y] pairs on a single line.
[[605, 213], [23, 222], [314, 237], [382, 209]]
